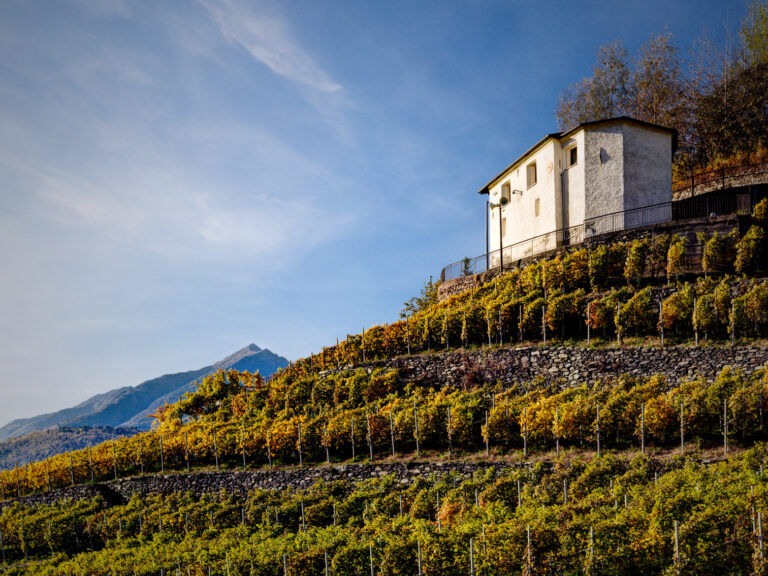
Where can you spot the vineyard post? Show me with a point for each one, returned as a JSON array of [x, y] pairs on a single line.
[[733, 325], [591, 550], [416, 428], [418, 556], [301, 455], [488, 325], [400, 498], [335, 517], [370, 435], [370, 556], [90, 463], [392, 433], [450, 434], [519, 495], [760, 544], [242, 443], [589, 328], [487, 434], [408, 335], [114, 460], [471, 557], [216, 450], [725, 425], [661, 323], [303, 523], [269, 451], [485, 553], [642, 429], [162, 456], [682, 430], [520, 324], [445, 328], [71, 474], [325, 443], [186, 449], [598, 431], [557, 435], [695, 322], [352, 422], [528, 549], [285, 565], [525, 433], [677, 549], [618, 325], [477, 499], [325, 554], [501, 328], [362, 345], [544, 323]]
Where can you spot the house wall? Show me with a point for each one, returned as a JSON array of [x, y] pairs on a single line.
[[647, 167], [520, 212], [572, 179], [603, 170]]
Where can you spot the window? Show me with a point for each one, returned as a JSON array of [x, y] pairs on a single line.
[[505, 191], [537, 207], [503, 227], [531, 172], [573, 156]]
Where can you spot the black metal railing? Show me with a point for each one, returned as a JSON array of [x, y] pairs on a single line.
[[720, 179], [701, 206]]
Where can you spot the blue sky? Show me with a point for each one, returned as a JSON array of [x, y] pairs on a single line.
[[180, 179]]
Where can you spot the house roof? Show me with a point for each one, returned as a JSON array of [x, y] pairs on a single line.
[[567, 134]]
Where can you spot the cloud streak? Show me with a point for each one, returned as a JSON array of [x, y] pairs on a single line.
[[269, 41]]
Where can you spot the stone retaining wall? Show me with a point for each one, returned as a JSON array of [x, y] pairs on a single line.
[[117, 492], [569, 366]]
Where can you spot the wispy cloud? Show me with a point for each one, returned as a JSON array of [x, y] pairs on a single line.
[[268, 40]]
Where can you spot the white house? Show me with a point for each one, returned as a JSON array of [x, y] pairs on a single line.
[[599, 177]]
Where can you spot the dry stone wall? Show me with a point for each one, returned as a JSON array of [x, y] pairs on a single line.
[[564, 366]]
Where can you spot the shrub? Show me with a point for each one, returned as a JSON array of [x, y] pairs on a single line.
[[749, 250], [637, 256], [606, 264], [756, 306], [716, 252], [678, 309], [760, 213], [705, 315], [676, 261], [657, 255], [639, 313]]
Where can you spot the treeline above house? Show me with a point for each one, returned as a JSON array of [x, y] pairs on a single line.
[[716, 97]]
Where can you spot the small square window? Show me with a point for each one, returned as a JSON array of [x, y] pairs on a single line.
[[531, 172], [537, 207], [573, 156]]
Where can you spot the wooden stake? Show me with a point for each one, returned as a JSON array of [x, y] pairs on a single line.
[[450, 434], [471, 557], [725, 426], [487, 434], [352, 422], [661, 324], [642, 429], [370, 436], [589, 331], [598, 431], [71, 475], [418, 557], [325, 443], [682, 430], [392, 433], [677, 549], [301, 456], [416, 429]]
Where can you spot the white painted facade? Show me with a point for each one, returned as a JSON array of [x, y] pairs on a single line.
[[581, 182]]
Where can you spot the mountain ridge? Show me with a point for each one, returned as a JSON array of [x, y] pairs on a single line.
[[130, 406]]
